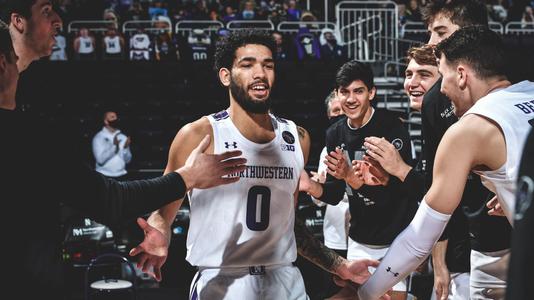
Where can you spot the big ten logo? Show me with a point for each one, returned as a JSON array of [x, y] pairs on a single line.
[[288, 148]]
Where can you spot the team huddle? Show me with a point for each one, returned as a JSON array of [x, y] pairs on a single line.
[[244, 236]]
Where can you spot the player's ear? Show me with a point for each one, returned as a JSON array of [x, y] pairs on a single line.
[[372, 93], [18, 21], [224, 76], [461, 76]]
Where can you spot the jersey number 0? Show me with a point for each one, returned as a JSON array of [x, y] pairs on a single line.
[[258, 208]]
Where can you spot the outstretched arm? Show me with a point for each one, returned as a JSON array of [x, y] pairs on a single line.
[[153, 250], [412, 246]]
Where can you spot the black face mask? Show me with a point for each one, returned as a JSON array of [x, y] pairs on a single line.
[[335, 119], [115, 123], [332, 42]]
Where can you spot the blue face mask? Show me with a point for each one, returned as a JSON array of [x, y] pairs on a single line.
[[248, 14]]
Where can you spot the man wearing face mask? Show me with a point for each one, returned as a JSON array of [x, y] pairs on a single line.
[[330, 48], [111, 148]]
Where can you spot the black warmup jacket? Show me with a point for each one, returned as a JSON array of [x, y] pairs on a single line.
[[378, 213]]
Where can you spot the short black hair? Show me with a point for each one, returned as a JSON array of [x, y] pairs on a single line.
[[460, 12], [227, 46], [22, 7], [355, 70], [478, 46], [6, 44]]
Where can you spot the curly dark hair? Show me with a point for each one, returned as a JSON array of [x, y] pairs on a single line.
[[22, 7], [460, 12], [227, 46], [355, 70], [479, 47]]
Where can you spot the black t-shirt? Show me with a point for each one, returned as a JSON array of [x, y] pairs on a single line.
[[520, 282], [41, 168], [378, 213], [437, 115]]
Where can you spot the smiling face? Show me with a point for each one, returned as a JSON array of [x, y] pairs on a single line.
[[418, 80], [251, 78], [356, 102], [451, 86]]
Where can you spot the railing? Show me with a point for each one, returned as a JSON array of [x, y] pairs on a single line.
[[414, 27], [519, 28], [294, 26], [149, 26], [184, 27], [369, 29], [239, 24], [496, 26], [92, 25]]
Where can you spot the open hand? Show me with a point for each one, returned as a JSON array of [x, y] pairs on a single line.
[[152, 252]]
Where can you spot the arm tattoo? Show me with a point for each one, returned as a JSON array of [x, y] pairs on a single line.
[[313, 250]]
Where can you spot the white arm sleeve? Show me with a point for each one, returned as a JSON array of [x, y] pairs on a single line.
[[407, 252]]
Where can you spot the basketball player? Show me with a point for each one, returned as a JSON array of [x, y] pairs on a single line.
[[493, 127], [491, 236], [450, 256], [41, 169], [378, 212], [242, 237], [522, 261]]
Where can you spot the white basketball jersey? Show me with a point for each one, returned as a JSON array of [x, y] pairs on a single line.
[[250, 222], [86, 45], [140, 41], [113, 45], [512, 109]]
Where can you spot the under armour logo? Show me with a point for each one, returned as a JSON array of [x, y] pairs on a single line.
[[228, 145], [256, 270], [389, 270]]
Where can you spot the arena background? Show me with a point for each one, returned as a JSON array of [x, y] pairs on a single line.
[[155, 98]]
